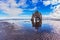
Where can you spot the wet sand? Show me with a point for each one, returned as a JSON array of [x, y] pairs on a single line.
[[8, 32]]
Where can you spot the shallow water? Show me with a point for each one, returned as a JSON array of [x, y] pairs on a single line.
[[24, 30]]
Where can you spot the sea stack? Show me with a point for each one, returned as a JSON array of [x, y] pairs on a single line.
[[36, 19]]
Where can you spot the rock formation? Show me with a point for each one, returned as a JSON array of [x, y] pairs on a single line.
[[36, 20]]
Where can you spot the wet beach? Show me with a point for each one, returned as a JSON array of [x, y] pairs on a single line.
[[24, 30]]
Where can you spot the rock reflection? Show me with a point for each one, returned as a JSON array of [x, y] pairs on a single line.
[[36, 25]]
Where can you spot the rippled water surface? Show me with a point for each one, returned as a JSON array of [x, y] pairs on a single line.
[[26, 30]]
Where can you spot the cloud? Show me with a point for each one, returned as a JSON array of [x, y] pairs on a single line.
[[46, 3], [32, 9], [56, 8], [10, 7], [22, 3], [17, 17], [52, 2], [34, 1], [56, 12]]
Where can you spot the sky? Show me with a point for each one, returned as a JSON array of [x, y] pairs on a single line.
[[50, 8]]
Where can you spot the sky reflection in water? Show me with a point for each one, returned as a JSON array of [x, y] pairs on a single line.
[[23, 29], [44, 27]]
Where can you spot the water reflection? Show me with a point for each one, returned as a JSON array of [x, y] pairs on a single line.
[[8, 32], [37, 24]]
